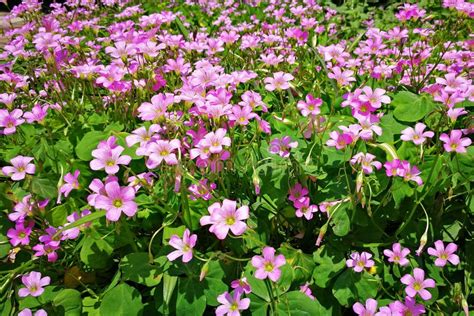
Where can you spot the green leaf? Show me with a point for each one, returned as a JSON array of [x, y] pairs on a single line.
[[351, 287], [88, 218], [122, 300], [68, 302], [46, 188], [88, 143], [296, 303], [410, 107], [390, 127], [95, 252], [329, 264], [135, 267], [341, 223], [191, 299], [90, 306]]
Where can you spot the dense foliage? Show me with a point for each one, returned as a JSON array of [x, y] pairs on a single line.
[[284, 157]]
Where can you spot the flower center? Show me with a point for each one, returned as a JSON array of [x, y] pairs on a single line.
[[22, 235], [417, 286], [361, 264], [444, 256], [186, 248], [234, 306], [110, 163], [396, 258], [164, 153], [21, 169], [117, 203], [230, 220], [454, 146], [268, 267]]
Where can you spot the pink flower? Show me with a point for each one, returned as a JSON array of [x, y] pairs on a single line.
[[375, 98], [360, 261], [34, 284], [241, 285], [417, 284], [73, 233], [22, 209], [408, 308], [369, 309], [162, 150], [37, 114], [311, 106], [340, 140], [116, 200], [444, 254], [297, 192], [409, 173], [242, 115], [71, 183], [343, 78], [366, 161], [109, 159], [20, 167], [231, 304], [282, 146], [303, 208], [391, 167], [20, 235], [397, 254], [306, 290], [201, 190], [454, 142], [268, 265], [417, 135], [226, 217], [184, 246], [157, 108], [9, 121], [28, 312], [280, 81]]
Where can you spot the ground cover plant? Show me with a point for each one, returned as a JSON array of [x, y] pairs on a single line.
[[237, 157]]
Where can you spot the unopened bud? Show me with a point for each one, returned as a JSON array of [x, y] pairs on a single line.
[[322, 232]]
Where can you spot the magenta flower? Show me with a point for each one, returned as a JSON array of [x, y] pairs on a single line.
[[360, 261], [20, 235], [311, 106], [34, 284], [375, 98], [397, 254], [343, 78], [306, 290], [158, 107], [48, 250], [409, 173], [9, 121], [202, 190], [109, 159], [37, 114], [280, 81], [391, 167], [444, 254], [28, 312], [20, 167], [282, 146], [417, 135], [366, 161], [297, 192], [184, 246], [241, 285], [340, 140], [71, 183], [454, 142], [369, 309], [226, 217], [304, 208], [162, 150], [242, 115], [116, 200], [22, 209], [408, 308], [268, 265], [214, 141], [417, 284], [231, 304]]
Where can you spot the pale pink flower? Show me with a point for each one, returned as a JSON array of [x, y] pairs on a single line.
[[360, 261], [231, 304], [417, 135], [109, 159], [115, 200], [10, 120], [311, 106], [184, 246], [455, 142], [444, 254], [375, 97], [226, 217], [157, 109], [268, 265], [33, 283], [162, 150], [417, 284], [397, 254], [369, 309], [366, 161], [20, 167], [282, 146], [280, 81]]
